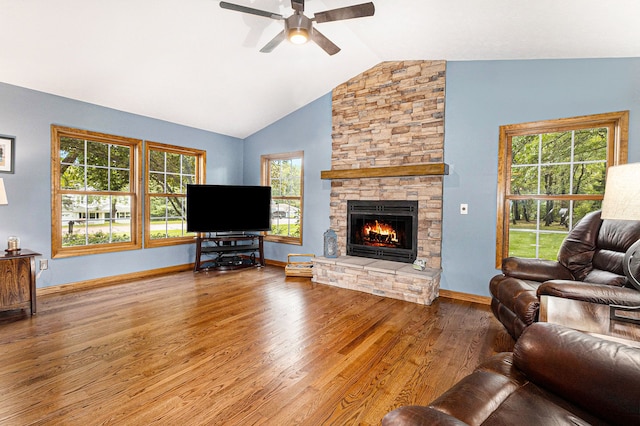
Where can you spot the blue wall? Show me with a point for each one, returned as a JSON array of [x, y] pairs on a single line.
[[483, 95], [307, 129], [480, 97], [28, 115]]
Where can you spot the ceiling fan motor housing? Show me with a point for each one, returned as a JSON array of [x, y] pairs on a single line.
[[298, 28]]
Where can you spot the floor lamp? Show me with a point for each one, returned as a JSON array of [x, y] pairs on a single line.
[[622, 202]]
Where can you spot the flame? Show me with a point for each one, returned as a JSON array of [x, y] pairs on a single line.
[[381, 229]]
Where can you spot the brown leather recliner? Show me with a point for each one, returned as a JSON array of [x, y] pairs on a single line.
[[589, 268], [554, 376]]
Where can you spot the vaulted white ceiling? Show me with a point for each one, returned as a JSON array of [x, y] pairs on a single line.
[[193, 63]]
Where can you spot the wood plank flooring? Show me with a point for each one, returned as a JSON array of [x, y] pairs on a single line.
[[239, 348]]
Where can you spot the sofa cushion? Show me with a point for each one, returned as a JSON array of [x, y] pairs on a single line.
[[590, 292], [519, 296], [598, 375], [534, 269], [578, 248]]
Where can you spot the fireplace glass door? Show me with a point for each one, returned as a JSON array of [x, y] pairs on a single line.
[[382, 229]]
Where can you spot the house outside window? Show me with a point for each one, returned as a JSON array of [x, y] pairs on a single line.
[[551, 174], [169, 169], [95, 199], [284, 174]]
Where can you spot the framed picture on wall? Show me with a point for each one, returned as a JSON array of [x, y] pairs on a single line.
[[7, 153]]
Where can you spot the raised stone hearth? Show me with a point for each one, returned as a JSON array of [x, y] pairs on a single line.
[[389, 118], [396, 280]]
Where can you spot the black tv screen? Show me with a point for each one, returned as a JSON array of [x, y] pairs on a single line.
[[228, 208]]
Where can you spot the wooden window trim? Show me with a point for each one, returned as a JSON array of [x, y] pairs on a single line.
[[265, 177], [201, 161], [57, 250], [618, 124]]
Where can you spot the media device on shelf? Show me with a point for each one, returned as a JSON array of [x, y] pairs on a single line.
[[228, 208]]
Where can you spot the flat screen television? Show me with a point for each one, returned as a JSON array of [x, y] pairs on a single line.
[[228, 208]]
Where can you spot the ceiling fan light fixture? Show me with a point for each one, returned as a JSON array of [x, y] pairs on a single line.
[[298, 28], [298, 35]]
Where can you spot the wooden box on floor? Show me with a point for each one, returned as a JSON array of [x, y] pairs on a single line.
[[299, 265]]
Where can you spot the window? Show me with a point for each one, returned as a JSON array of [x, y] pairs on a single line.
[[95, 199], [551, 174], [169, 170], [284, 174]]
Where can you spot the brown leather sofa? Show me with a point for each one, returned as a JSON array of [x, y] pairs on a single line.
[[589, 268], [554, 376]]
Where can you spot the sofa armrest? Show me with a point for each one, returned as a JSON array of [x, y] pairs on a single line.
[[601, 376], [416, 415], [590, 292], [534, 269]]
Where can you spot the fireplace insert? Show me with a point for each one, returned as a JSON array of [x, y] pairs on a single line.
[[383, 229]]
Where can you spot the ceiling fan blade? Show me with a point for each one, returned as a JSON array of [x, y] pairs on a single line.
[[326, 44], [250, 10], [349, 12], [297, 5], [274, 42]]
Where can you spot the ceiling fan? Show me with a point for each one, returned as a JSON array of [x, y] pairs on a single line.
[[298, 28]]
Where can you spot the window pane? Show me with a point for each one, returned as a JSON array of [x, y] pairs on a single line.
[[591, 144], [285, 218], [555, 180], [119, 180], [97, 153], [582, 208], [525, 149], [589, 178], [522, 244], [174, 208], [276, 187], [556, 147], [524, 180], [189, 164], [71, 151], [156, 183], [157, 208], [97, 179], [173, 184], [554, 215], [167, 217], [524, 214], [120, 156], [173, 163], [156, 161], [72, 177]]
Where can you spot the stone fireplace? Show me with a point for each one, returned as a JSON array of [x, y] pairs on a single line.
[[388, 145]]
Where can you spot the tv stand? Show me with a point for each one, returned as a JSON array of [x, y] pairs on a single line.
[[225, 252]]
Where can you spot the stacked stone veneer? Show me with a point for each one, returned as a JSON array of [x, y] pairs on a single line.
[[390, 115]]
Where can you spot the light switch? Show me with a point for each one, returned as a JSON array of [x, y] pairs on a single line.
[[464, 208]]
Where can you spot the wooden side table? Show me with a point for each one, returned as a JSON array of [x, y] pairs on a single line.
[[18, 280], [592, 318]]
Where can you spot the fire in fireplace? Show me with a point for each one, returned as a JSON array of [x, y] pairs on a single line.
[[382, 229]]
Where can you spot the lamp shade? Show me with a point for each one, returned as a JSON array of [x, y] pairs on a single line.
[[3, 193], [622, 193]]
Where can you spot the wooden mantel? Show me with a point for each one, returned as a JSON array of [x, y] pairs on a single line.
[[391, 171]]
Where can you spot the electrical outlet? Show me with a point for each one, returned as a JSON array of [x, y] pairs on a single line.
[[464, 208], [44, 264]]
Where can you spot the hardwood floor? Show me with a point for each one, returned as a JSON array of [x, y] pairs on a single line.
[[239, 348]]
